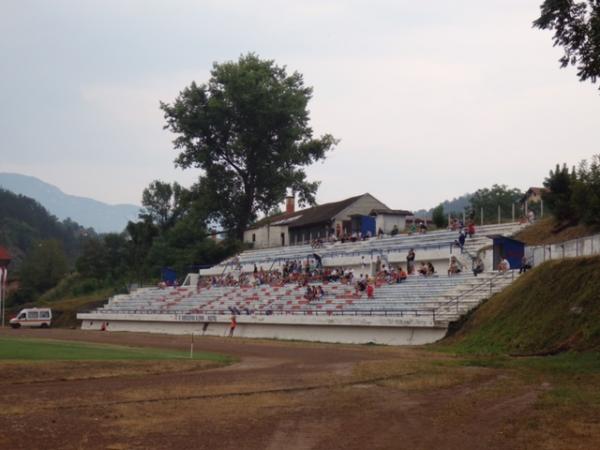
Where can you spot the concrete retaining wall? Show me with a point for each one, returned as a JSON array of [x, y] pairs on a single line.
[[337, 329]]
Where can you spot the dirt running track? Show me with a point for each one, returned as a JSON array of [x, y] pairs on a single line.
[[277, 396]]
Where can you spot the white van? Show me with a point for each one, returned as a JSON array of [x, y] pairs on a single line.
[[32, 317]]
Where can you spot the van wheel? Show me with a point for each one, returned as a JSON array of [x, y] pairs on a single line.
[[44, 325], [15, 325]]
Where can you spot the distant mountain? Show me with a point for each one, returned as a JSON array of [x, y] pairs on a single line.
[[456, 205], [87, 212]]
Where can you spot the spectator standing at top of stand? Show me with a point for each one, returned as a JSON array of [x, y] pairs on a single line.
[[395, 230], [410, 261], [471, 228], [461, 240], [379, 233], [504, 265]]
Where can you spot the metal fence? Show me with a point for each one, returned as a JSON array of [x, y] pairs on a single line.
[[585, 246]]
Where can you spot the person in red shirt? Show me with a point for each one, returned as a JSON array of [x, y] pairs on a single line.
[[370, 291], [471, 228], [232, 326]]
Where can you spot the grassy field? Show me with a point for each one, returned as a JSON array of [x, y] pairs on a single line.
[[50, 350]]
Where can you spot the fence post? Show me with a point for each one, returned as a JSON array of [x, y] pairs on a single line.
[[499, 213], [482, 216], [542, 208], [513, 211]]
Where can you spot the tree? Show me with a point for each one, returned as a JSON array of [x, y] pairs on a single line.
[[162, 203], [586, 192], [494, 197], [43, 267], [248, 130], [560, 192], [574, 196], [576, 26], [438, 216]]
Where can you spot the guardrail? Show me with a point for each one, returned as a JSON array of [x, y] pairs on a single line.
[[414, 312], [484, 284], [432, 312]]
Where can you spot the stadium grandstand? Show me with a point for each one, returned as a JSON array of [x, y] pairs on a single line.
[[344, 285]]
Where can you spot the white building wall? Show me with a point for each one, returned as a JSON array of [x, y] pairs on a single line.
[[387, 222], [267, 236]]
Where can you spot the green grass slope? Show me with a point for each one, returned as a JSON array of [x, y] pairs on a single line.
[[553, 308]]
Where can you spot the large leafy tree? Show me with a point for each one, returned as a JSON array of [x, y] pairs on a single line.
[[576, 26], [489, 199], [163, 203], [44, 266], [248, 130], [559, 198]]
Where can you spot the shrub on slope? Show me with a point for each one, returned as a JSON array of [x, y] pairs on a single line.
[[553, 308]]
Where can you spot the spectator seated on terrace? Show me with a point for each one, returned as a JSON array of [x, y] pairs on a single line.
[[317, 243], [525, 264], [391, 275], [402, 275], [478, 266], [314, 293], [426, 269], [370, 290], [504, 265], [361, 284], [455, 266]]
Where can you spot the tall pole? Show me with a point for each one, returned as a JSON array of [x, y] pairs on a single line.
[[482, 216], [499, 219], [513, 212], [542, 208]]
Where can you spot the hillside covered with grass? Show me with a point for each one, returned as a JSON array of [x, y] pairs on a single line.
[[548, 231], [551, 309]]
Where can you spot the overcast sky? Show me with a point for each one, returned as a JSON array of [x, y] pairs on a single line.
[[430, 99]]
